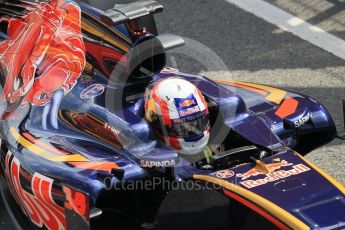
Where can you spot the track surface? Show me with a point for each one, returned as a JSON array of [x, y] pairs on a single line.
[[257, 51]]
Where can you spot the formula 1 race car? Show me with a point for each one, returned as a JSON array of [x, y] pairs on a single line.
[[74, 136]]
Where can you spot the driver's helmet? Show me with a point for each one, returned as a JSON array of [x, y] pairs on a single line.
[[178, 114]]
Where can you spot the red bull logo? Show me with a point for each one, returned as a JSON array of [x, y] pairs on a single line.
[[189, 111], [275, 176], [269, 168], [187, 103]]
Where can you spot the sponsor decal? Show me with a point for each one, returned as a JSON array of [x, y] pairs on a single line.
[[223, 174], [92, 91], [302, 121], [151, 164], [37, 199], [112, 129], [39, 205], [274, 176], [183, 103], [186, 106], [187, 103], [190, 118], [268, 169], [189, 111]]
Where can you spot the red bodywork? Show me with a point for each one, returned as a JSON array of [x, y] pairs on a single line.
[[44, 53]]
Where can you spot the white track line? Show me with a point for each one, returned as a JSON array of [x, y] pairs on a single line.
[[293, 24]]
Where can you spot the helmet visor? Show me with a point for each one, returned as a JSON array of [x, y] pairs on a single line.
[[189, 129]]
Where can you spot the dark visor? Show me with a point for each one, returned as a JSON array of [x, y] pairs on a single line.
[[188, 129]]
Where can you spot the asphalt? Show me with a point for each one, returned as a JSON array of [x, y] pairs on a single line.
[[226, 42], [328, 15]]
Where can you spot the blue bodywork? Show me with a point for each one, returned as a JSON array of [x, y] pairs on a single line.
[[240, 116]]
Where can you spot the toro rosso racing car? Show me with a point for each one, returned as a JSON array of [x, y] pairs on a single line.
[[74, 131]]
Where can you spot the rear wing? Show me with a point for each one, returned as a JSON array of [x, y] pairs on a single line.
[[141, 13], [128, 12]]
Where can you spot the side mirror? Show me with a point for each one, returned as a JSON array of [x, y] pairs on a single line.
[[170, 41]]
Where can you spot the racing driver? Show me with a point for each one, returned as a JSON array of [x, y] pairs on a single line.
[[178, 115]]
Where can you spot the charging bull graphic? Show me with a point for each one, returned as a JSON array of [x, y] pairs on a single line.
[[44, 53], [269, 169]]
